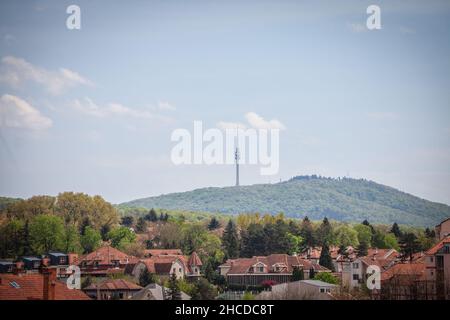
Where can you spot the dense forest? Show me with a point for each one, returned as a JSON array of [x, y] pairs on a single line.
[[313, 196]]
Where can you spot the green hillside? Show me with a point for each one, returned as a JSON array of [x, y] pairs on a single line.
[[5, 201], [340, 199]]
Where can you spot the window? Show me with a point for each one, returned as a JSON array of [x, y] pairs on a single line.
[[322, 290], [174, 270], [96, 264], [356, 277], [431, 259], [62, 260], [261, 269], [121, 295], [355, 265], [179, 270]]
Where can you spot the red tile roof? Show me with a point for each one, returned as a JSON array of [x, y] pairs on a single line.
[[158, 264], [438, 246], [105, 255], [194, 260], [113, 284], [158, 252], [416, 271], [242, 265], [31, 287]]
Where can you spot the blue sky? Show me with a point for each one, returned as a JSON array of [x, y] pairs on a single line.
[[92, 110]]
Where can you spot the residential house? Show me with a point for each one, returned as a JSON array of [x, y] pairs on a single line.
[[437, 264], [31, 263], [37, 286], [166, 264], [300, 290], [353, 269], [442, 230], [275, 267], [154, 291], [105, 261], [112, 289], [162, 252], [7, 266], [405, 281]]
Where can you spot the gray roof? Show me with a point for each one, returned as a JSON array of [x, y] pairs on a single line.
[[154, 291], [32, 258], [318, 283], [6, 262], [57, 254]]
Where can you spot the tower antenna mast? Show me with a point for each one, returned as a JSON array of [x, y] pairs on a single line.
[[237, 157]]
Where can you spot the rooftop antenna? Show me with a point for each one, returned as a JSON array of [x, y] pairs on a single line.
[[237, 157]]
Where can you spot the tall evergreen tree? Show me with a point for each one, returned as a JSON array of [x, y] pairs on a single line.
[[307, 232], [362, 249], [141, 225], [297, 274], [145, 278], [409, 245], [230, 240], [325, 259], [312, 273], [325, 232], [151, 215], [213, 224], [174, 288], [396, 230]]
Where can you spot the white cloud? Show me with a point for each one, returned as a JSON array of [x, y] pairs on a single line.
[[254, 121], [89, 107], [259, 122], [164, 105], [15, 71], [17, 113], [357, 27]]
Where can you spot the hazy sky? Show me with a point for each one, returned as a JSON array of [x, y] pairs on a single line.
[[93, 110]]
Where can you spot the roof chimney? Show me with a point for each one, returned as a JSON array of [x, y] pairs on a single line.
[[49, 283]]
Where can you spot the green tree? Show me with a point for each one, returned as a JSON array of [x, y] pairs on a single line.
[[230, 240], [326, 277], [307, 232], [409, 244], [12, 238], [151, 216], [145, 278], [325, 232], [213, 224], [325, 259], [91, 239], [396, 230], [141, 225], [72, 240], [46, 233], [127, 221], [312, 273], [174, 289], [362, 249], [121, 236], [364, 234], [391, 241], [204, 290], [294, 243], [297, 274], [346, 236]]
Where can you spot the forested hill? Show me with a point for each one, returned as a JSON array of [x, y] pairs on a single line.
[[5, 201], [342, 199]]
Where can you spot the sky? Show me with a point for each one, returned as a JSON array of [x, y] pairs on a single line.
[[92, 110]]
